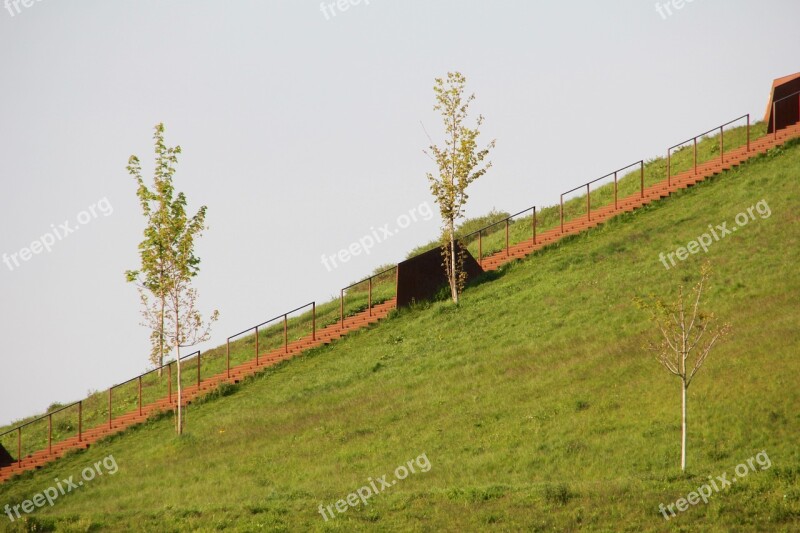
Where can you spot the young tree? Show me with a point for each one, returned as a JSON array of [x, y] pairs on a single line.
[[459, 162], [156, 205], [169, 263], [687, 336], [185, 324]]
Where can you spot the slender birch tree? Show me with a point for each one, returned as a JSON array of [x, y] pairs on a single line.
[[459, 163], [687, 336], [169, 264], [185, 326], [156, 205]]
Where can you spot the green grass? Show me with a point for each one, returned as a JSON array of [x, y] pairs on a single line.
[[125, 398], [493, 234], [534, 400]]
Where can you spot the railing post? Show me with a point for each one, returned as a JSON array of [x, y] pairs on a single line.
[[615, 190], [721, 145], [341, 309], [50, 433], [369, 302], [480, 248], [641, 176], [669, 167], [748, 133], [140, 395], [588, 204], [198, 371], [285, 334], [313, 321], [507, 251], [534, 225], [562, 213], [80, 421], [19, 446], [775, 119], [695, 156], [256, 345], [109, 407], [169, 379], [228, 356]]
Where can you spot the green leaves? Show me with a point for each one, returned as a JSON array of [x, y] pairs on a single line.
[[167, 254], [459, 163]]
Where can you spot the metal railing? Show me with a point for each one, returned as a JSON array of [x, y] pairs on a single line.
[[370, 280], [285, 318], [775, 110], [185, 357], [110, 407], [507, 222], [49, 417], [588, 185], [694, 139]]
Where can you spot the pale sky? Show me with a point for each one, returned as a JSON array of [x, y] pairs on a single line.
[[301, 131]]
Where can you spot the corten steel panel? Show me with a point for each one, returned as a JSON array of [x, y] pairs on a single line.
[[5, 458], [789, 109], [421, 277]]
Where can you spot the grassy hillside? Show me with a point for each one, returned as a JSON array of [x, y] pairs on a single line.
[[299, 324], [601, 194], [533, 402]]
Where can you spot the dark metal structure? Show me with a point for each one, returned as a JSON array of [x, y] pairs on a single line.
[[421, 277], [784, 103], [5, 458]]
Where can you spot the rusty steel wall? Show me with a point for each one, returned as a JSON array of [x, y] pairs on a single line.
[[789, 109], [5, 458], [421, 277]]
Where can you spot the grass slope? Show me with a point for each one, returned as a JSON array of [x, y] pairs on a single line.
[[533, 401], [299, 324]]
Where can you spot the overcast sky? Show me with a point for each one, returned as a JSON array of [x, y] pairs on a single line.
[[302, 129]]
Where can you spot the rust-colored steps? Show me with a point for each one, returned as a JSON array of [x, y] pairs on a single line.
[[338, 330], [637, 200], [237, 373]]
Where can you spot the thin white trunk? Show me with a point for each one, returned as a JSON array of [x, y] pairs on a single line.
[[683, 424], [180, 385], [453, 270], [180, 393], [161, 339], [684, 383]]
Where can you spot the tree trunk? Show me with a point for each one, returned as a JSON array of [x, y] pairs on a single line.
[[453, 270], [161, 340], [180, 393], [180, 385], [683, 425]]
